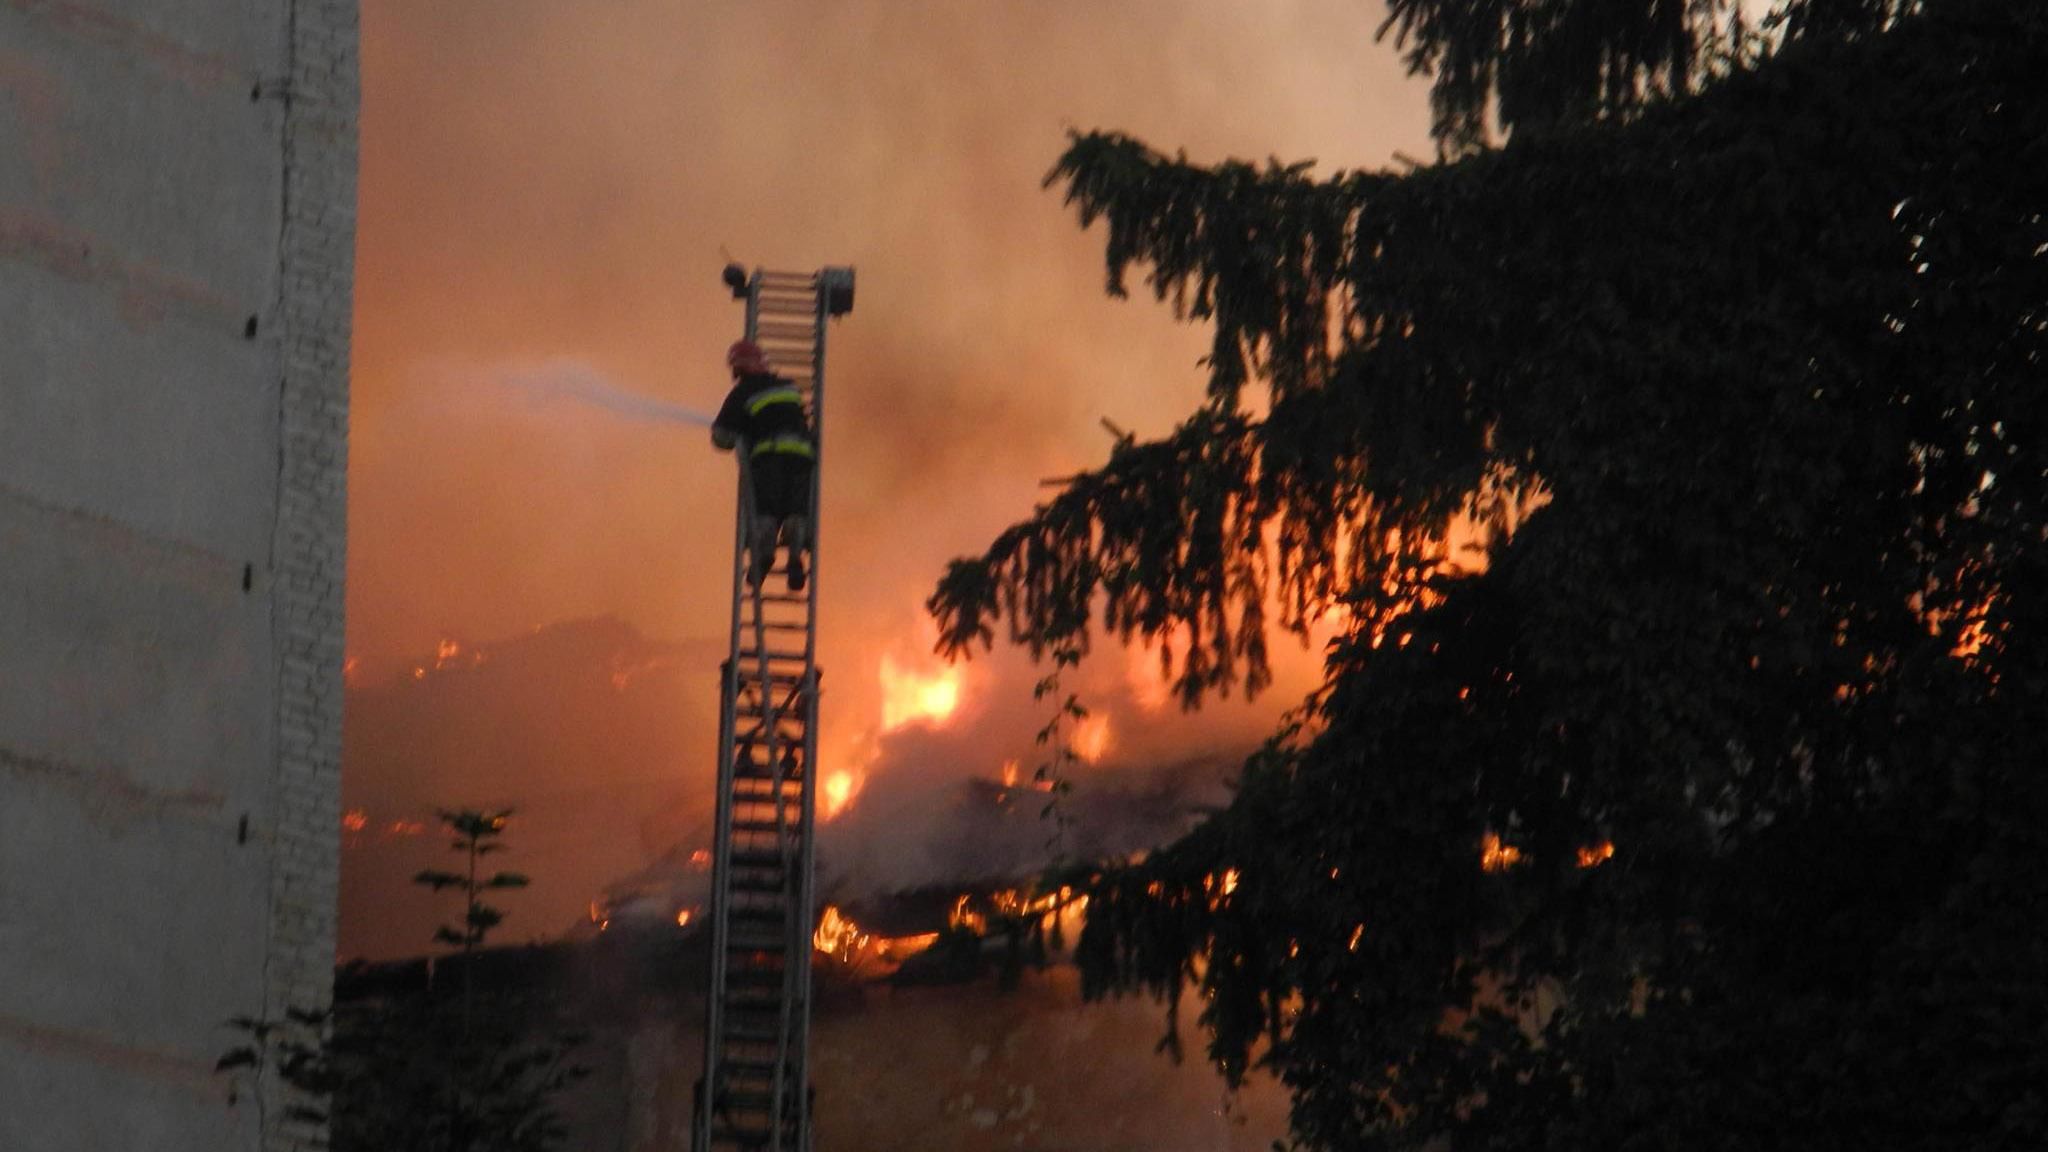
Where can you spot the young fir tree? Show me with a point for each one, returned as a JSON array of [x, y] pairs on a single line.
[[1733, 358], [405, 1074], [476, 836]]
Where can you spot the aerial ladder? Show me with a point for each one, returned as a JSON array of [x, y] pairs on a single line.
[[755, 1092]]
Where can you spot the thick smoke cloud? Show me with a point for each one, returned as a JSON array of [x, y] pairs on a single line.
[[548, 187]]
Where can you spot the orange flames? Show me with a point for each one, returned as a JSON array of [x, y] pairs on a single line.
[[840, 789], [964, 918], [1497, 856], [836, 934], [910, 696], [1494, 856], [838, 937], [1092, 738]]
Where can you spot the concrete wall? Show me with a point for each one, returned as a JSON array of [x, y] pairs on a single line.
[[177, 191]]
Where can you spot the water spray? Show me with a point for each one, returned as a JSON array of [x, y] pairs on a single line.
[[582, 384]]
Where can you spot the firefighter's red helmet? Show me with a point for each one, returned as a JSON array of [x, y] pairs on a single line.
[[746, 356]]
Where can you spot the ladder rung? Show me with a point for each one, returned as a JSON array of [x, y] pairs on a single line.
[[772, 654], [748, 1138], [757, 1100], [773, 1005], [782, 597], [754, 1033]]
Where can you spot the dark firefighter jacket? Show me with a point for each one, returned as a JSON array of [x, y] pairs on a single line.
[[767, 412]]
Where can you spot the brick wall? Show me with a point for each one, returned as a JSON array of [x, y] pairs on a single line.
[[315, 288]]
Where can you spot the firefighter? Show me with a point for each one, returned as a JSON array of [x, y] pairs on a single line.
[[764, 416]]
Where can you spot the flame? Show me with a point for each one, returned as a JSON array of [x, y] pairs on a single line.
[[683, 918], [1092, 739], [1495, 856], [1009, 773], [840, 938], [1596, 855], [354, 820], [963, 917], [837, 935], [911, 697], [700, 860], [1148, 687], [840, 789]]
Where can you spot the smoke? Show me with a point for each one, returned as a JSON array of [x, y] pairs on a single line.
[[544, 193], [572, 382]]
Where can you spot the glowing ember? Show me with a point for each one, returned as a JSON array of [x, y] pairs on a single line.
[[700, 860], [1092, 739], [683, 918], [354, 820], [1495, 856], [840, 789], [1009, 773], [911, 697], [1596, 855]]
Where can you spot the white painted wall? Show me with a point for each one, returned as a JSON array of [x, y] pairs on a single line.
[[171, 552]]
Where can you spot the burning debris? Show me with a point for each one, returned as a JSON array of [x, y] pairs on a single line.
[[940, 935], [674, 890]]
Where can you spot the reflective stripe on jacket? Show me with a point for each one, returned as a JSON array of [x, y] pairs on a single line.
[[772, 396], [764, 409], [787, 445]]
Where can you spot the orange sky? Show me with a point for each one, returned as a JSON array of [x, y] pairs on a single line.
[[548, 185]]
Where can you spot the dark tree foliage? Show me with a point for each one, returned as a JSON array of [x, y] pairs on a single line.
[[419, 1074], [413, 1076], [1743, 390]]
